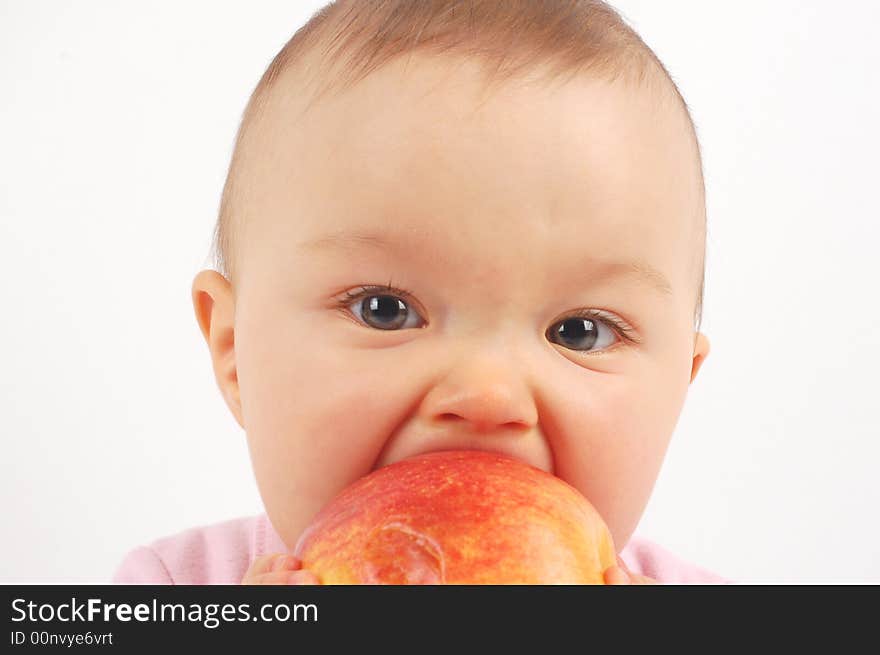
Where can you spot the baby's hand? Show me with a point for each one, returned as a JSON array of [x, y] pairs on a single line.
[[621, 575], [278, 569]]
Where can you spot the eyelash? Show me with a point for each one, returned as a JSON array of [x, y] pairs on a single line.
[[621, 328]]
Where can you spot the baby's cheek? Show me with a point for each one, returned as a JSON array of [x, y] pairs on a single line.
[[307, 451], [608, 446]]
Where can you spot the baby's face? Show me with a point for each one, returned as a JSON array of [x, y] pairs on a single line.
[[541, 244]]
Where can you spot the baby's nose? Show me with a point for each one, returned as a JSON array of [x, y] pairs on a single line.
[[484, 396]]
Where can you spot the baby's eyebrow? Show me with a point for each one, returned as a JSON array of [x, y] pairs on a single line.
[[348, 241]]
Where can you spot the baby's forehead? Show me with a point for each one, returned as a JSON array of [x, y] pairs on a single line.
[[462, 86], [525, 253], [430, 103], [443, 118], [425, 148]]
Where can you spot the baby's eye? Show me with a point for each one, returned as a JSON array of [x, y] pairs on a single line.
[[381, 308], [386, 308], [584, 333]]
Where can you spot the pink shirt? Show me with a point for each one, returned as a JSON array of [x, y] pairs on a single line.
[[221, 554]]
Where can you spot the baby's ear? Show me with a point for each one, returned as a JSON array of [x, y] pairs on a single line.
[[214, 305], [701, 351]]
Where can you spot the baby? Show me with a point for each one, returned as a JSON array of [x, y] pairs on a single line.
[[452, 225]]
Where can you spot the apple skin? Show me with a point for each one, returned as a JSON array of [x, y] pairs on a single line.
[[458, 517]]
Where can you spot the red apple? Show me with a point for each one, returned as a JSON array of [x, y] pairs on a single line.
[[458, 517]]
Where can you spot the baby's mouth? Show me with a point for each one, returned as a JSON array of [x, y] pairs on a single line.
[[506, 449]]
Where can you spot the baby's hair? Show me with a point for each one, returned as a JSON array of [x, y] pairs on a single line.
[[510, 38]]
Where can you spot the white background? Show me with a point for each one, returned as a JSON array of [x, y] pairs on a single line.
[[117, 121]]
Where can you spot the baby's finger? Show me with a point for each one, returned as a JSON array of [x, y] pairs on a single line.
[[286, 563], [616, 575], [621, 574], [299, 577], [642, 579], [272, 578], [262, 564], [302, 577]]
